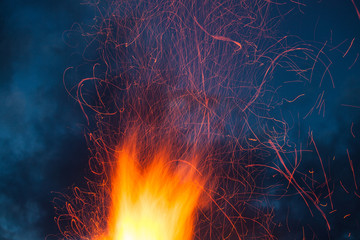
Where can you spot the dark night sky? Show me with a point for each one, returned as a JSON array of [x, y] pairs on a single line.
[[42, 144]]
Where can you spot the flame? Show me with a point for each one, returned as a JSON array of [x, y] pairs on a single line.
[[155, 202]]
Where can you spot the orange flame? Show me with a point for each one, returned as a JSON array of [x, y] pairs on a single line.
[[155, 202]]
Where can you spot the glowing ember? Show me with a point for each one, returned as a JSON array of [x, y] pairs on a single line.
[[156, 202]]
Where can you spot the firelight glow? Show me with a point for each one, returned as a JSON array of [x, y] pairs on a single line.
[[155, 202]]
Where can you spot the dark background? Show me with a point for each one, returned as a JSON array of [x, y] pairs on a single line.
[[43, 150]]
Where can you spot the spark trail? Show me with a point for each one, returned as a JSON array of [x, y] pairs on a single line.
[[183, 116]]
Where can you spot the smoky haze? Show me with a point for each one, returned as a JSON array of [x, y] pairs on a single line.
[[43, 151]]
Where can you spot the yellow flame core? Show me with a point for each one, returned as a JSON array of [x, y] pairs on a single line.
[[157, 202]]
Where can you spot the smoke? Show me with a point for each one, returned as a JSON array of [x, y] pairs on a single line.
[[42, 148], [41, 144]]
